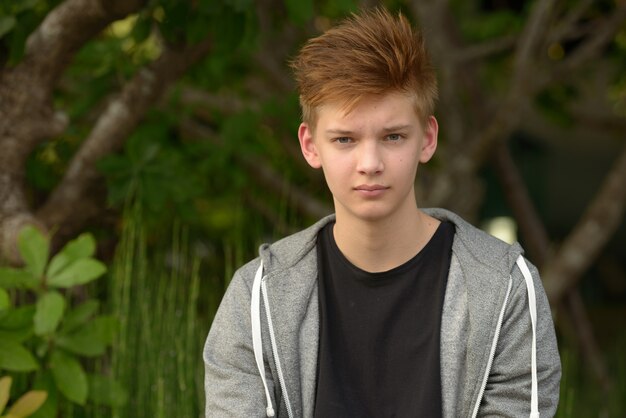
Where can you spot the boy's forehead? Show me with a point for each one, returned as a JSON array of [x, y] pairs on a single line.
[[381, 113], [350, 109]]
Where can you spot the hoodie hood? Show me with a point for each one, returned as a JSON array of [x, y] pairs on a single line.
[[476, 244]]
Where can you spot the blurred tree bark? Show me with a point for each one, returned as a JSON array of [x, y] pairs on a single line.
[[26, 111], [29, 117]]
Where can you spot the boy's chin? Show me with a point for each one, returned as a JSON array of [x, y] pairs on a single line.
[[370, 213]]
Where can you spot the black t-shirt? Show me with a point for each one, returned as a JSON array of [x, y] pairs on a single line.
[[379, 333]]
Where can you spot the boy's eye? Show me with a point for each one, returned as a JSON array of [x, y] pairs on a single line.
[[394, 137], [343, 140]]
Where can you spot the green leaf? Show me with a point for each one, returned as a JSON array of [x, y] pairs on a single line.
[[34, 249], [79, 315], [142, 29], [27, 404], [106, 391], [5, 300], [16, 358], [82, 344], [5, 391], [17, 335], [69, 377], [44, 381], [82, 247], [78, 272], [11, 278], [7, 23], [18, 318], [49, 312], [92, 339]]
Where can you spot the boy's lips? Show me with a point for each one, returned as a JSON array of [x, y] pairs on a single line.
[[371, 190], [371, 187]]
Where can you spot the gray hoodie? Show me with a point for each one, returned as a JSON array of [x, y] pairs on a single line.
[[486, 332]]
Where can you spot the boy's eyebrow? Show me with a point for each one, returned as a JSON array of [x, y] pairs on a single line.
[[338, 131], [388, 129], [396, 128]]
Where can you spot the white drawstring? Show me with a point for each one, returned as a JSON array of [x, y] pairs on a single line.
[[257, 342], [532, 304]]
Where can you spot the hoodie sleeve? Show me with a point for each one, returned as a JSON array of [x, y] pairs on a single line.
[[509, 384], [232, 384]]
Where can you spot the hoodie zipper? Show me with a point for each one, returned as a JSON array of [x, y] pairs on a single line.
[[493, 350], [279, 370]]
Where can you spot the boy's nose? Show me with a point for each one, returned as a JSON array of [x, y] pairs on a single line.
[[370, 160]]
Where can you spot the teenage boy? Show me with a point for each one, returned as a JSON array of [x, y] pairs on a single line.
[[382, 309]]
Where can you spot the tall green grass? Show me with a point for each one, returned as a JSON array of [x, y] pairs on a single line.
[[582, 396], [157, 353]]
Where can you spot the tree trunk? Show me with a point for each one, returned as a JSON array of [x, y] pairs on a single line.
[[26, 112]]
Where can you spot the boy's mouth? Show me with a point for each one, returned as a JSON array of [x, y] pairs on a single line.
[[371, 189]]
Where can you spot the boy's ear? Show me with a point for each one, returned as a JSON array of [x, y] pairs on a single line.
[[429, 142], [308, 147]]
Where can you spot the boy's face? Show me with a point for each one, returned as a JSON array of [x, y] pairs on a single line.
[[370, 155]]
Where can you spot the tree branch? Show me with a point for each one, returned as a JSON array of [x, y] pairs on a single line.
[[228, 103], [594, 45], [522, 86], [26, 113], [536, 239], [482, 50], [117, 121], [65, 30], [530, 42], [568, 23], [583, 244]]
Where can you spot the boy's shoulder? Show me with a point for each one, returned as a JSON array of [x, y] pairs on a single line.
[[474, 246], [291, 249]]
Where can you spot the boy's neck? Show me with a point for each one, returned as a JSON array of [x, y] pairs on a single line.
[[386, 244]]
